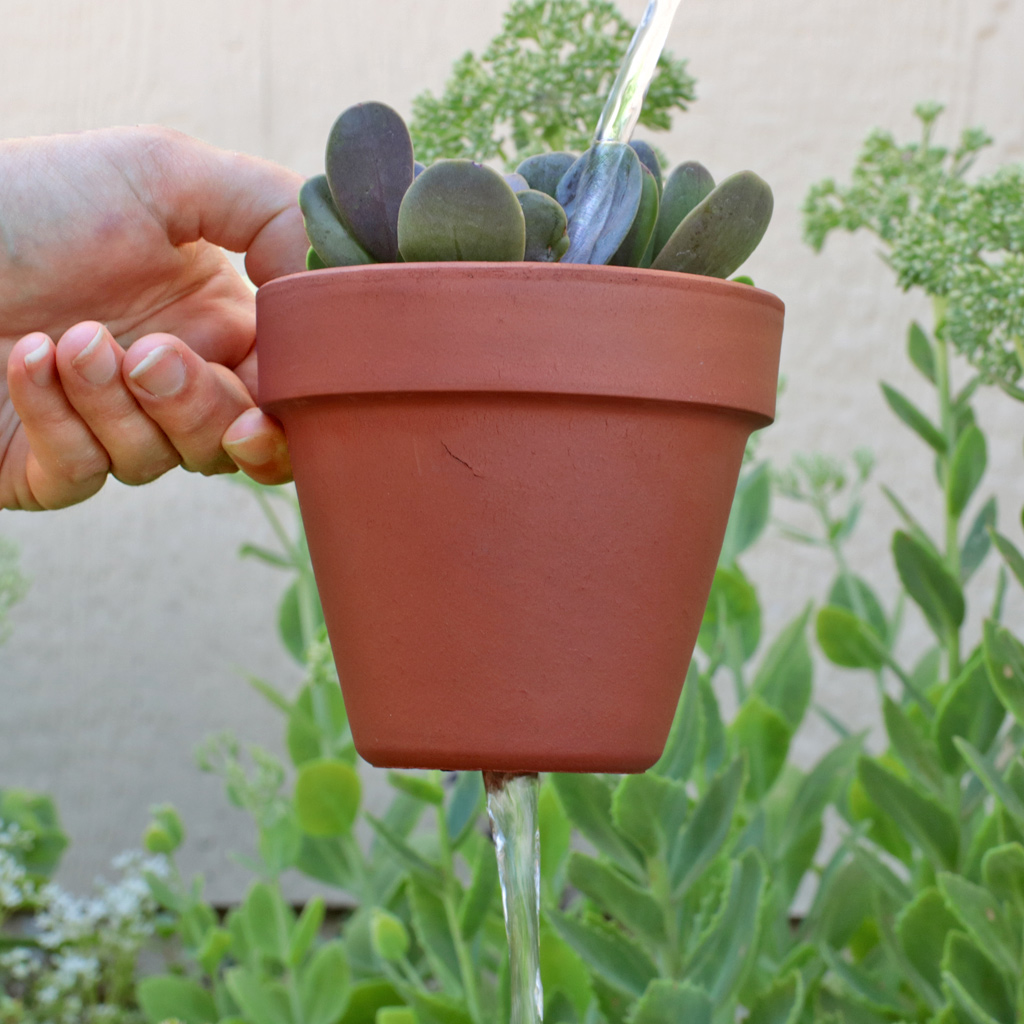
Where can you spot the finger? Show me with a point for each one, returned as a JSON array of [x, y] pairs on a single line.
[[255, 441], [192, 401], [89, 363], [63, 462]]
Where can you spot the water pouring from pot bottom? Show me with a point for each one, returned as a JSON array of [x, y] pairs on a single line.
[[512, 807]]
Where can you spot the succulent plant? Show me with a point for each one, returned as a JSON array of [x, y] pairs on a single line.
[[377, 204]]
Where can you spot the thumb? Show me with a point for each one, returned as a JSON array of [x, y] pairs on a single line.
[[239, 202]]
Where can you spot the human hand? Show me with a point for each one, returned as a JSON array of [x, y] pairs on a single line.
[[125, 226]]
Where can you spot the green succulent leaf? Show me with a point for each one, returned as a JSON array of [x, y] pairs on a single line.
[[369, 166], [780, 1003], [993, 780], [1004, 659], [618, 897], [763, 734], [324, 989], [461, 210], [587, 800], [544, 171], [922, 928], [686, 186], [921, 351], [464, 805], [913, 744], [981, 914], [268, 921], [332, 245], [648, 809], [684, 738], [785, 676], [970, 709], [430, 922], [915, 419], [721, 231], [600, 194], [672, 1002], [926, 820], [978, 541], [848, 640], [479, 897], [327, 797], [966, 469], [855, 595], [260, 1002], [974, 982], [1011, 554], [546, 238], [418, 787], [930, 584], [165, 996], [751, 510], [649, 158], [1003, 873], [631, 252], [305, 931]]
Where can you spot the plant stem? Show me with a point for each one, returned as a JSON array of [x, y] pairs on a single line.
[[947, 424]]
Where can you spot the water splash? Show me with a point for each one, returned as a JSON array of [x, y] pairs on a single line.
[[512, 807]]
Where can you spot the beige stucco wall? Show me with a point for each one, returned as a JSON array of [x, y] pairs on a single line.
[[142, 621]]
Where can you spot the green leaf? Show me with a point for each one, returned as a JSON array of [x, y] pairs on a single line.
[[993, 780], [785, 675], [930, 584], [1011, 555], [35, 813], [927, 821], [418, 787], [317, 724], [1003, 871], [970, 709], [684, 738], [712, 746], [563, 971], [855, 595], [325, 859], [921, 352], [366, 998], [915, 749], [981, 914], [164, 996], [213, 949], [707, 829], [289, 618], [268, 921], [732, 608], [587, 800], [388, 935], [648, 808], [618, 897], [436, 1008], [915, 419], [464, 805], [409, 857], [1004, 658], [327, 797], [617, 959], [280, 843], [672, 1002], [430, 922], [324, 987], [781, 1003], [847, 640], [978, 540], [973, 981], [966, 469], [764, 735], [260, 1003], [726, 951], [921, 928], [750, 512], [555, 838], [305, 930], [480, 896]]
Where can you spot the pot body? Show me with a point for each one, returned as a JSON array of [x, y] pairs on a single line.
[[515, 480]]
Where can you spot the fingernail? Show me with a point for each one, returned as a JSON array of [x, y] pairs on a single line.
[[96, 362], [38, 364], [161, 373]]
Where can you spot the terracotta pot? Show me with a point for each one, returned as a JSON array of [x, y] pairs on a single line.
[[515, 480]]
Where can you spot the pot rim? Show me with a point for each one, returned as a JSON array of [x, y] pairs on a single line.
[[532, 328]]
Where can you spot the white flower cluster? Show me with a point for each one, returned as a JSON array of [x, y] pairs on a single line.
[[80, 948]]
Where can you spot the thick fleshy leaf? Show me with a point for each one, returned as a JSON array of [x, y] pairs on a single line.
[[305, 931], [926, 820], [634, 245], [649, 809], [600, 194], [994, 781], [930, 584], [672, 1002], [419, 787], [915, 419], [464, 805], [983, 916], [785, 675], [324, 989], [618, 897], [722, 230], [763, 735], [461, 210], [329, 238], [1004, 658], [1003, 871], [913, 744], [544, 171], [587, 800], [649, 159], [848, 640], [684, 738], [921, 929], [970, 709], [855, 595], [921, 351], [268, 921], [966, 469], [706, 830], [1011, 555], [262, 1003], [327, 797], [369, 166], [780, 1003], [479, 896], [751, 508], [686, 186], [167, 996], [973, 980], [616, 958], [430, 922], [979, 540], [732, 608], [546, 238], [725, 953]]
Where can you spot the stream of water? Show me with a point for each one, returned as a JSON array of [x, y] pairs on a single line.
[[512, 806], [512, 798]]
